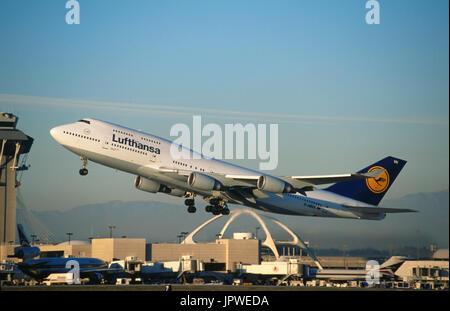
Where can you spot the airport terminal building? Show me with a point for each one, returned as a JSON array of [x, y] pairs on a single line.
[[228, 252], [224, 253]]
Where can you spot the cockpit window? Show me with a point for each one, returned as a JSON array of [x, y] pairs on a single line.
[[85, 121]]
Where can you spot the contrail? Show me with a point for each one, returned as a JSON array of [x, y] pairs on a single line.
[[188, 111]]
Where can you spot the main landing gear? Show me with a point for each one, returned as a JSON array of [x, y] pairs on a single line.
[[190, 204], [83, 170], [217, 207]]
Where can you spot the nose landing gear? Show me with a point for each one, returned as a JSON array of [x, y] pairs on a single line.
[[83, 171]]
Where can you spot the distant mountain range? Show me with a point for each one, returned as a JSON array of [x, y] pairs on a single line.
[[162, 222], [149, 219]]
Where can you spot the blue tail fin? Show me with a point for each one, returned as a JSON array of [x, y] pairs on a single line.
[[371, 190], [22, 236]]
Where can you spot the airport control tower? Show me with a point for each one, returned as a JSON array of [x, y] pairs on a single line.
[[13, 143]]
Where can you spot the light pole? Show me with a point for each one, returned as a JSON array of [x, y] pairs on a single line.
[[256, 232], [69, 234], [110, 230], [418, 233], [33, 238], [345, 256]]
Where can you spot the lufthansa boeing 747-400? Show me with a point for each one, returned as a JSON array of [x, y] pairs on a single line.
[[149, 157]]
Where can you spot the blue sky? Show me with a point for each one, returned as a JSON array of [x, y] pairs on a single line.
[[345, 94]]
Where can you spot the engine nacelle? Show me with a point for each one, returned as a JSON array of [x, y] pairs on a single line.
[[271, 184], [177, 192], [152, 186], [26, 252], [146, 184], [203, 182]]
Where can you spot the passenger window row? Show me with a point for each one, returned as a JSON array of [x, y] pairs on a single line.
[[151, 140], [81, 136], [130, 149], [123, 133], [184, 164]]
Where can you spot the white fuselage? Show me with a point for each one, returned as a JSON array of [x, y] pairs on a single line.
[[148, 156]]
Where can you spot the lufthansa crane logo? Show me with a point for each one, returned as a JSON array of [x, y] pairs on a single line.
[[379, 184]]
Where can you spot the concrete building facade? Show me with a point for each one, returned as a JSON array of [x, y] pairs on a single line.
[[228, 251], [433, 273], [109, 249], [73, 249]]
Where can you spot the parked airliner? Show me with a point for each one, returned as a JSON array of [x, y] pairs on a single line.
[[149, 157], [41, 268]]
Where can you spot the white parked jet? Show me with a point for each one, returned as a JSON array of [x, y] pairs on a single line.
[[150, 159]]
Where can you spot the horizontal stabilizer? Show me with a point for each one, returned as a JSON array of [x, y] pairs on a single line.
[[376, 210], [329, 179]]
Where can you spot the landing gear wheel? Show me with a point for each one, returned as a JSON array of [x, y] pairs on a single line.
[[191, 209], [214, 201], [189, 202], [83, 171], [225, 211], [216, 210]]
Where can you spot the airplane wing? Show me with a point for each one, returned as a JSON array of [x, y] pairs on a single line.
[[225, 179], [104, 271], [376, 210], [297, 181], [96, 270]]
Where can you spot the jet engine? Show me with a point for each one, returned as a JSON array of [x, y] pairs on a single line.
[[176, 192], [271, 184], [148, 185], [203, 182], [152, 186]]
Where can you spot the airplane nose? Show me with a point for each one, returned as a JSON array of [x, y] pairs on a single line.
[[56, 133], [53, 132]]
